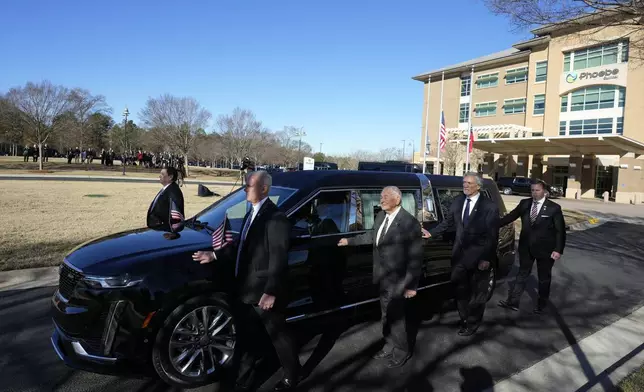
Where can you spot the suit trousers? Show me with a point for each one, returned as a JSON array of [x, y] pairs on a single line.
[[255, 329], [544, 271], [394, 321], [469, 284]]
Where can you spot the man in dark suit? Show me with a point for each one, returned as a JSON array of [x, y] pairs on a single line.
[[261, 264], [543, 237], [475, 219], [397, 263], [169, 197]]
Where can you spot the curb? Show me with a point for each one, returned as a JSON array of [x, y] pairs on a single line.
[[28, 278]]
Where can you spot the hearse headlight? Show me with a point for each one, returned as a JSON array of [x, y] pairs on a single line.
[[112, 282]]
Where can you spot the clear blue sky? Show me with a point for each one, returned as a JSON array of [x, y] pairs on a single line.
[[342, 69]]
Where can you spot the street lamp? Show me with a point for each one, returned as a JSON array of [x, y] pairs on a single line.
[[125, 114], [413, 150], [403, 150], [300, 132], [321, 147]]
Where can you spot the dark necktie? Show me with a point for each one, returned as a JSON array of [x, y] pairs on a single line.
[[384, 230], [534, 212], [242, 237], [466, 213]]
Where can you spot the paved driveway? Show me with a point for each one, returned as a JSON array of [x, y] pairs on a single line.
[[598, 281]]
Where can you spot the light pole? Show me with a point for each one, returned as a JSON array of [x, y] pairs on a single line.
[[403, 151], [321, 147], [125, 114], [413, 150], [300, 132]]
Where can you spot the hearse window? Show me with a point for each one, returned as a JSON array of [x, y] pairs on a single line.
[[327, 213], [370, 201], [235, 206]]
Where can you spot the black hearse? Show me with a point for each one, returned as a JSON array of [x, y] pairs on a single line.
[[137, 298]]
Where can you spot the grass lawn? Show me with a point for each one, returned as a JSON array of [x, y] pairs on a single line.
[[46, 219], [633, 383], [15, 165]]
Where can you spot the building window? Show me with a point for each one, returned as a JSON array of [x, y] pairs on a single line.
[[564, 104], [466, 84], [541, 71], [539, 104], [485, 109], [620, 126], [595, 56], [464, 113], [514, 106], [597, 97], [575, 127], [562, 128], [516, 75], [489, 80]]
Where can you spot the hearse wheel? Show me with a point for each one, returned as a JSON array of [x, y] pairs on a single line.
[[196, 344], [491, 283]]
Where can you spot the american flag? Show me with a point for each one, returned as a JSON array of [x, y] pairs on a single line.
[[442, 135], [222, 236], [175, 216]]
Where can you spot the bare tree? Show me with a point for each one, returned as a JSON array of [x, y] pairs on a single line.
[[389, 154], [452, 156], [39, 105], [240, 134], [84, 105], [578, 16], [178, 120], [11, 124]]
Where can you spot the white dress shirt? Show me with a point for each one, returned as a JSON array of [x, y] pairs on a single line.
[[159, 194], [391, 216], [473, 200], [256, 208]]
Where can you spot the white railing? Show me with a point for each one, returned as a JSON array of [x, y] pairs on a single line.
[[501, 131]]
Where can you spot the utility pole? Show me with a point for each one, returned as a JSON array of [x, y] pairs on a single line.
[[125, 114]]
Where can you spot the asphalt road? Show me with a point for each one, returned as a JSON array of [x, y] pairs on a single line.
[[597, 282]]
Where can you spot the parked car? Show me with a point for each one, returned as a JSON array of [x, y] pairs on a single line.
[[521, 186], [136, 298]]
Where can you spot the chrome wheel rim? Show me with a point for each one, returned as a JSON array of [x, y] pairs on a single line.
[[490, 283], [202, 341]]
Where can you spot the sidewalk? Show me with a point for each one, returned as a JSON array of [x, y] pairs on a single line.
[[126, 178]]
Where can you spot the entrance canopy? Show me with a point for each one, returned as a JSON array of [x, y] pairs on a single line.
[[519, 142]]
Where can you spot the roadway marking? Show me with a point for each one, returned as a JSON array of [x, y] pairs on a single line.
[[596, 363]]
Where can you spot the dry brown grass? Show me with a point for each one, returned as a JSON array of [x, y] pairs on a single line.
[[46, 219], [15, 165]]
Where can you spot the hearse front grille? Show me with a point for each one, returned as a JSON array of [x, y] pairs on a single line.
[[67, 280]]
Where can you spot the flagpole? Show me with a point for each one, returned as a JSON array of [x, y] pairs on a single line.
[[469, 126], [429, 85], [440, 119]]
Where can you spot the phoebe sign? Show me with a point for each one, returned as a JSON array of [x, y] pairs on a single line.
[[613, 74]]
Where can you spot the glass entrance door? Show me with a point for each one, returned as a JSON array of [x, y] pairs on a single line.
[[604, 181]]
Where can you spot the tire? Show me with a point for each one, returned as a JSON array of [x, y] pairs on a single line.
[[507, 191], [190, 343]]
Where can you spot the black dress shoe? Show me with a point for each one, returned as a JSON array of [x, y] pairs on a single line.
[[398, 362], [285, 385], [468, 331], [382, 354], [507, 305]]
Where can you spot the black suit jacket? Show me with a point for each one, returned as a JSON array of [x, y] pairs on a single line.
[[547, 234], [159, 211], [263, 262], [398, 258], [479, 239]]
